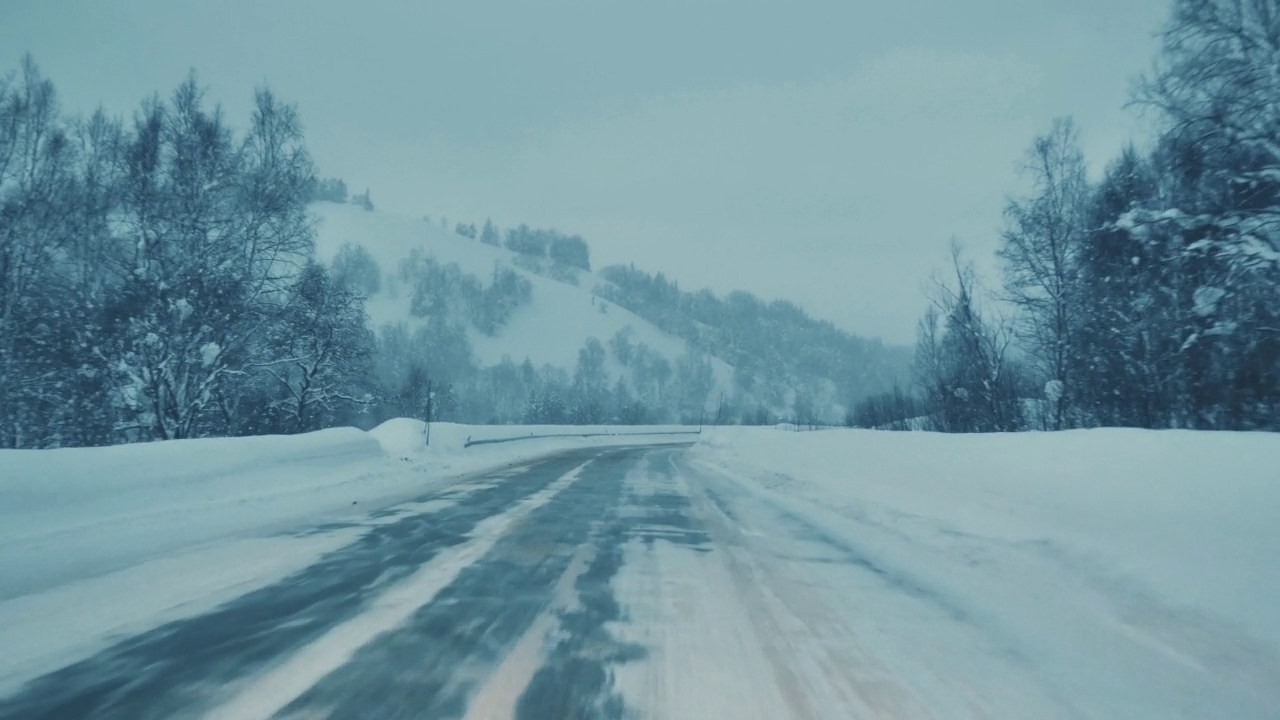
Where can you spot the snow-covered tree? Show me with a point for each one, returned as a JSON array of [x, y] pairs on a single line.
[[332, 190], [489, 234], [1213, 227], [1216, 84], [590, 384], [356, 268], [570, 251], [318, 352], [694, 381], [218, 231]]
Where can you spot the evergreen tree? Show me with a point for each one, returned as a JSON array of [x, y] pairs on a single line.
[[570, 251], [489, 235]]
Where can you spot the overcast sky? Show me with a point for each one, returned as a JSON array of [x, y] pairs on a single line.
[[823, 151]]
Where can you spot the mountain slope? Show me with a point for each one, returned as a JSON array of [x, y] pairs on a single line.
[[549, 331], [552, 326]]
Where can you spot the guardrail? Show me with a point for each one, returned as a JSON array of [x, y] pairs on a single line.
[[494, 441]]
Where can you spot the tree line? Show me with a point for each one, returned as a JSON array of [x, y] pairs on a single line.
[[1150, 298], [447, 303], [157, 278], [546, 252], [784, 360]]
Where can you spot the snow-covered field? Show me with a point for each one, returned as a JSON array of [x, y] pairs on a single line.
[[1128, 573], [100, 543]]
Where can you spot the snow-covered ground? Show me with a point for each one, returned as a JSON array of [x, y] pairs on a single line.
[[762, 572], [101, 543], [1122, 573]]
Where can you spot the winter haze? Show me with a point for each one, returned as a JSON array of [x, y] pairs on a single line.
[[819, 151], [600, 360]]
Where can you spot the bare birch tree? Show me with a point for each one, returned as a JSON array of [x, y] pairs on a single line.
[[1040, 254]]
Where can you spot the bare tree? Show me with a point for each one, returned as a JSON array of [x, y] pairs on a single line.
[[36, 180], [219, 231], [1040, 253], [962, 362], [893, 410], [321, 350]]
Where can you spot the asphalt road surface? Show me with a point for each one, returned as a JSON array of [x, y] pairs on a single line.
[[597, 583]]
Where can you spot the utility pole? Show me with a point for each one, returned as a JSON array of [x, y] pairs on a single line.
[[430, 408]]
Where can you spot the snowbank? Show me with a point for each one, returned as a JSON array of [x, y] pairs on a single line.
[[66, 514], [39, 480], [1088, 552]]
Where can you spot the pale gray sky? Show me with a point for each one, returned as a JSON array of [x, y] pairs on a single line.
[[823, 151]]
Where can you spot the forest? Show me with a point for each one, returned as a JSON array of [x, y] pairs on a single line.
[[158, 279], [1149, 298]]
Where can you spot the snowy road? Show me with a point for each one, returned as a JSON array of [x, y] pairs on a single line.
[[596, 583]]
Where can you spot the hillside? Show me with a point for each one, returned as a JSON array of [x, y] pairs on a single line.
[[538, 319], [548, 331]]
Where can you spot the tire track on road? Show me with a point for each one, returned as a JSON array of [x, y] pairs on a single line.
[[446, 650], [174, 670]]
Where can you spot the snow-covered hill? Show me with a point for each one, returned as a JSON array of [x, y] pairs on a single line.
[[550, 330]]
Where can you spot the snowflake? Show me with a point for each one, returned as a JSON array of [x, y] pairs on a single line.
[[209, 353], [1206, 300]]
